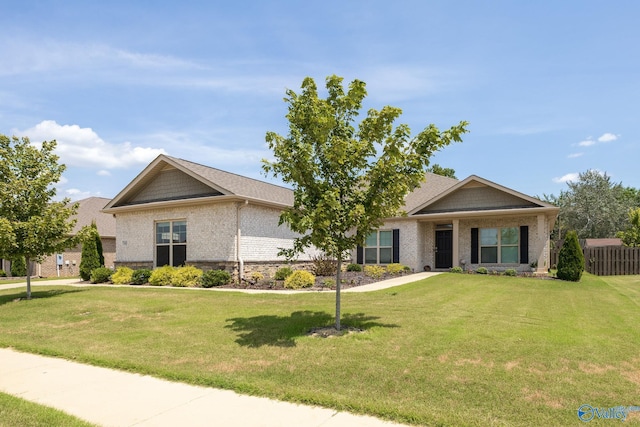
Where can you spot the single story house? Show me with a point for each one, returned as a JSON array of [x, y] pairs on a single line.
[[68, 263], [176, 212]]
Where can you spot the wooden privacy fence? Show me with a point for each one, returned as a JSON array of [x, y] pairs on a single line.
[[607, 260]]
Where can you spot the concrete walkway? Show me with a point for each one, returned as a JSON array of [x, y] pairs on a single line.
[[114, 398]]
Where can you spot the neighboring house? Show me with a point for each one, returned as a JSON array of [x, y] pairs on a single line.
[[178, 212], [68, 263]]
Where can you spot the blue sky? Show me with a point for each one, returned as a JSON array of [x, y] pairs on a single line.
[[550, 88]]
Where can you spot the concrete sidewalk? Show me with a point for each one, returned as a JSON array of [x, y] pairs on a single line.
[[113, 398]]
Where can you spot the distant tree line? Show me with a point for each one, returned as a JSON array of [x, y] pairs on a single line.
[[596, 207]]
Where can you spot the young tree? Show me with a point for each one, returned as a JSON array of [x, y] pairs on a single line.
[[631, 236], [90, 256], [343, 186], [35, 225], [570, 259]]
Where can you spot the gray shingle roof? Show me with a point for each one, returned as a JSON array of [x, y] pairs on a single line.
[[238, 185], [89, 210]]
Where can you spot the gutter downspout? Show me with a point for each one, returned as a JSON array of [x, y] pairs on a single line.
[[239, 259]]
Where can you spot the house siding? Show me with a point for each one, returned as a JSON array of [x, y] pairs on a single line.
[[172, 184], [479, 198]]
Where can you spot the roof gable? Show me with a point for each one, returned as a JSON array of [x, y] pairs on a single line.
[[476, 194], [169, 178]]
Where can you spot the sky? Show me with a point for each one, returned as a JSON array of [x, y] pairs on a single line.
[[550, 88]]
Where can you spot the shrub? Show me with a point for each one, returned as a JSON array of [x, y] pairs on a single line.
[[510, 272], [283, 273], [375, 271], [3, 273], [18, 267], [162, 276], [256, 277], [456, 270], [396, 268], [570, 259], [141, 276], [300, 279], [89, 257], [187, 276], [122, 276], [354, 267], [213, 278], [482, 270], [100, 275], [323, 265], [329, 283]]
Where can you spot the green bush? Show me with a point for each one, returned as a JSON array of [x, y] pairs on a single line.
[[18, 267], [213, 278], [283, 273], [510, 272], [375, 271], [122, 276], [3, 273], [100, 275], [255, 277], [329, 283], [300, 279], [324, 265], [354, 267], [140, 276], [482, 270], [89, 257], [187, 276], [570, 259], [162, 276], [396, 268], [456, 270]]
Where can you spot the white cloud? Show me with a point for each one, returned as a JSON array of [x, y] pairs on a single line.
[[103, 173], [574, 155], [566, 178], [607, 137], [82, 147], [604, 138]]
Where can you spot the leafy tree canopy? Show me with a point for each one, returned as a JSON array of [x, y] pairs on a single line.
[[593, 206], [33, 225], [631, 235], [439, 170], [347, 177]]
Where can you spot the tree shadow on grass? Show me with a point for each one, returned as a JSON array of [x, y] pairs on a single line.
[[22, 295], [281, 331]]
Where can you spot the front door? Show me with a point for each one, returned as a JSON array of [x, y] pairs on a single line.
[[444, 248]]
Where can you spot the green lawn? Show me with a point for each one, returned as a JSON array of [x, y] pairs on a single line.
[[451, 350], [15, 412]]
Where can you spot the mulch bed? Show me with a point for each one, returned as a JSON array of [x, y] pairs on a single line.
[[350, 279]]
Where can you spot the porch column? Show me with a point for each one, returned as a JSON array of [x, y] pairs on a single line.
[[455, 249], [542, 244]]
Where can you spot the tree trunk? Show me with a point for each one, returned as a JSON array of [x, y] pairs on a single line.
[[338, 284], [28, 262]]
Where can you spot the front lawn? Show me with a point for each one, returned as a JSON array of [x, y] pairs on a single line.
[[16, 412], [451, 350]]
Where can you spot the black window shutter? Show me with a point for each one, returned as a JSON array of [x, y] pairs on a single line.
[[359, 255], [396, 245], [474, 246], [524, 244]]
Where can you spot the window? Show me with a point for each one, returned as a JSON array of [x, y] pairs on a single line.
[[171, 243], [379, 248], [499, 245]]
